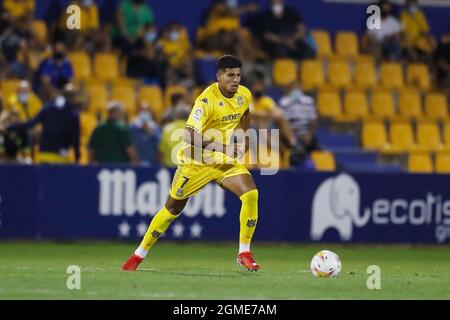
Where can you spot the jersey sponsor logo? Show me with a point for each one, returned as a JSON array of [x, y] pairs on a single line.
[[156, 234], [121, 195], [231, 117], [221, 104], [205, 100], [240, 100], [198, 114], [336, 204], [251, 223], [180, 192]]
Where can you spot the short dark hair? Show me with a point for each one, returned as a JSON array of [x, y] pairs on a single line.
[[228, 61]]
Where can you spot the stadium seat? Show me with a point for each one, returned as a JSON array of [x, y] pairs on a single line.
[[81, 64], [284, 72], [401, 138], [170, 91], [355, 106], [382, 104], [153, 96], [410, 104], [339, 74], [124, 82], [329, 103], [447, 134], [106, 66], [98, 98], [39, 28], [428, 136], [127, 96], [436, 107], [442, 162], [323, 42], [391, 75], [365, 74], [420, 162], [347, 44], [311, 74], [374, 135], [417, 75], [323, 160]]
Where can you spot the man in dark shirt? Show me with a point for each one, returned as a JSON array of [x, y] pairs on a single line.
[[60, 129], [284, 33], [111, 141]]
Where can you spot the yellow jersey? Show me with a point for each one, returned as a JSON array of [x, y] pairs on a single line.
[[215, 117]]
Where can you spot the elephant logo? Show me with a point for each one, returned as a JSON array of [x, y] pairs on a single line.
[[336, 204]]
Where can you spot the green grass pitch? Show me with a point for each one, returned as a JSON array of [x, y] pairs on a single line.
[[37, 270]]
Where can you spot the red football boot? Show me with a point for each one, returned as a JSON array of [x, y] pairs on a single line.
[[132, 263], [246, 259]]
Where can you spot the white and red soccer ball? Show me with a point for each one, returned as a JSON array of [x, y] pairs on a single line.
[[325, 264]]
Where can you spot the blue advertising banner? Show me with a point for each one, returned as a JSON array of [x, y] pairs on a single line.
[[69, 202]]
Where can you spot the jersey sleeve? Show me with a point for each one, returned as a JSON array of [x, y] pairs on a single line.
[[199, 116]]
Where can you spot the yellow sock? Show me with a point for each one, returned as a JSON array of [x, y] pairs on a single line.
[[248, 218], [159, 224]]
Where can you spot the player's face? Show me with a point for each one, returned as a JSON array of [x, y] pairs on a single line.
[[229, 79]]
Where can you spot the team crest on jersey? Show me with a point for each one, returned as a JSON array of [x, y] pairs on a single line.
[[180, 192], [240, 100], [221, 104], [198, 114]]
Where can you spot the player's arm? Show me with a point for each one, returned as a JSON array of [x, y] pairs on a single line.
[[245, 125], [196, 139]]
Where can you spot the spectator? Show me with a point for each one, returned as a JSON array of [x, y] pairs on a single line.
[[20, 8], [53, 73], [11, 142], [443, 61], [223, 32], [132, 16], [145, 134], [176, 46], [265, 112], [180, 109], [385, 42], [111, 141], [300, 110], [285, 34], [417, 39], [60, 128], [25, 102]]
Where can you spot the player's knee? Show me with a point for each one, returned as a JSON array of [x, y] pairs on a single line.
[[250, 199]]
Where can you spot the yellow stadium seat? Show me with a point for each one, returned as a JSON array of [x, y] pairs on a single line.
[[365, 74], [81, 64], [382, 104], [39, 28], [127, 96], [284, 72], [339, 74], [442, 162], [355, 106], [106, 66], [401, 138], [323, 42], [447, 134], [329, 103], [153, 96], [323, 160], [9, 87], [374, 135], [410, 104], [391, 75], [347, 44], [98, 98], [428, 136], [420, 162], [436, 106], [311, 74], [417, 75], [123, 82], [170, 91]]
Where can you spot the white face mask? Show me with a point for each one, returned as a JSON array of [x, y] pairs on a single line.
[[277, 9], [24, 97], [174, 35], [232, 3], [413, 9], [151, 36]]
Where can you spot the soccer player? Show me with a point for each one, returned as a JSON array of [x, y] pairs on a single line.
[[217, 113]]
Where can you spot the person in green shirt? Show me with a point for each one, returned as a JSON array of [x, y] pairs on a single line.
[[111, 142]]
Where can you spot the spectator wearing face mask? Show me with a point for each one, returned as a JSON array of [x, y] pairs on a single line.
[[284, 33], [54, 73], [417, 39], [25, 102], [145, 135]]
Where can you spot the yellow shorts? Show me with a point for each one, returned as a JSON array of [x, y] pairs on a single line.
[[189, 179]]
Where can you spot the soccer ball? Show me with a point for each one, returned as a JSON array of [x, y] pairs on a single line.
[[325, 264]]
